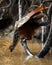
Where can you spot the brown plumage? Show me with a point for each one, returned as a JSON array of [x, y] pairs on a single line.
[[28, 29]]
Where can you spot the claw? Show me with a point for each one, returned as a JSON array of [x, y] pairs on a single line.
[[11, 48]]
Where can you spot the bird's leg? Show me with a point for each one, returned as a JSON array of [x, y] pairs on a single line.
[[15, 39]]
